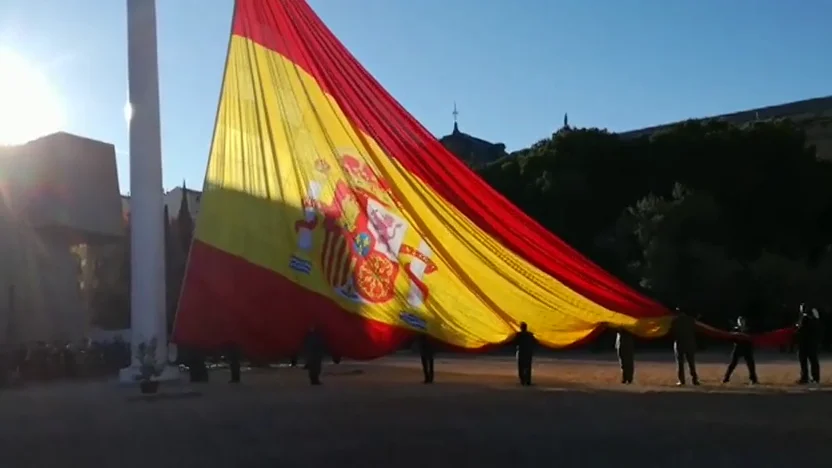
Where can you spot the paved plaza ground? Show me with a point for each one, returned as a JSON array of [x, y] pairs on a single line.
[[378, 414]]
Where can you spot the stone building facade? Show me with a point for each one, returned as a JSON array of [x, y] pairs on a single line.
[[474, 151], [59, 209]]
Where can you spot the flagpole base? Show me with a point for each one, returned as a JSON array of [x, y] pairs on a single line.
[[130, 375]]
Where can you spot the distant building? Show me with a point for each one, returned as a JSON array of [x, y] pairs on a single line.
[[173, 201], [59, 205], [474, 151], [814, 115], [125, 206]]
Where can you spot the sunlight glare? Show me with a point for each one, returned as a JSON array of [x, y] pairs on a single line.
[[29, 107], [128, 113]]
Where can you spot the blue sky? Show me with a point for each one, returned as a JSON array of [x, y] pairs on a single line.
[[513, 67]]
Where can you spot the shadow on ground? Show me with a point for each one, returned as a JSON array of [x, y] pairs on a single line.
[[376, 414]]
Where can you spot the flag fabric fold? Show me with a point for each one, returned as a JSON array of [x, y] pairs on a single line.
[[326, 204], [770, 339]]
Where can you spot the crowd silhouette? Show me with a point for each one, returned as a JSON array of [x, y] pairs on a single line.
[[42, 362]]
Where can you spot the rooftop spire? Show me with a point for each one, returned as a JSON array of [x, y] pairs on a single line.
[[184, 220], [455, 113], [184, 209]]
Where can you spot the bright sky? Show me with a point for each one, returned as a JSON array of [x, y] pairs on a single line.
[[513, 67]]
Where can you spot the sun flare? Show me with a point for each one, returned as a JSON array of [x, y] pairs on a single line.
[[29, 107]]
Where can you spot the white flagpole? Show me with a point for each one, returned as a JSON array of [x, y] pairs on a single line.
[[147, 250]]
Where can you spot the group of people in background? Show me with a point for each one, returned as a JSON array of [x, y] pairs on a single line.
[[43, 361], [683, 330], [808, 334], [524, 342], [807, 338], [314, 351]]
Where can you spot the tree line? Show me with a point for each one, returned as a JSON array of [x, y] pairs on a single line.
[[715, 218], [111, 297]]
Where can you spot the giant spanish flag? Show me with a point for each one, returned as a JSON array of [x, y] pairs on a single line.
[[327, 204]]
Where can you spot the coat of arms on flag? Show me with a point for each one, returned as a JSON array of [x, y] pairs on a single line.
[[363, 236]]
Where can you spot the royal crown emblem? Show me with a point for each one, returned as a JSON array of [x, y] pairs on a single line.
[[363, 250]]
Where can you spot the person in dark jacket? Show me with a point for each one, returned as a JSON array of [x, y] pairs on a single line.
[[5, 365], [808, 342], [525, 342], [234, 363], [197, 369], [426, 353], [69, 360], [684, 347], [743, 348], [625, 347], [314, 348]]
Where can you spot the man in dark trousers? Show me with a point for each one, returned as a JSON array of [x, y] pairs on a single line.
[[684, 346], [625, 347], [197, 369], [525, 342], [743, 348], [808, 342], [69, 360], [5, 365], [314, 355], [234, 363], [426, 352]]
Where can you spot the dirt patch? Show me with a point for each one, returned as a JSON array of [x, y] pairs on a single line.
[[379, 414]]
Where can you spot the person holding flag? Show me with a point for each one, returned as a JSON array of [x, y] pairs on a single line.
[[525, 342], [625, 348], [426, 353], [808, 342], [684, 346], [743, 348]]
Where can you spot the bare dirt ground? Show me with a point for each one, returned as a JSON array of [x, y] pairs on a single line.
[[379, 415]]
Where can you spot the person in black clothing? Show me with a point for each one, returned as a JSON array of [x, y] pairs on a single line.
[[234, 363], [70, 363], [197, 369], [314, 355], [5, 366], [426, 353], [743, 348], [808, 342], [684, 347], [625, 347], [525, 342]]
